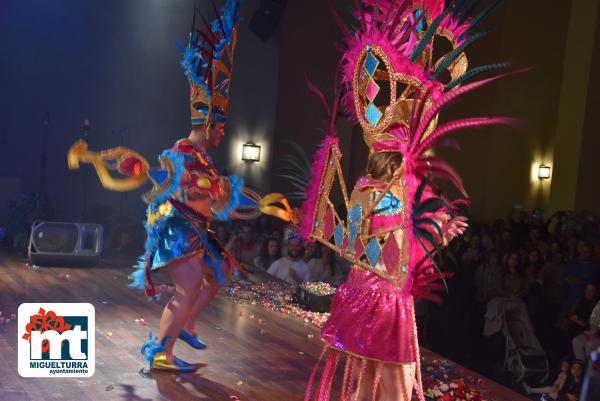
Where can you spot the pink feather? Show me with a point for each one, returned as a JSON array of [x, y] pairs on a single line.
[[442, 101], [475, 122]]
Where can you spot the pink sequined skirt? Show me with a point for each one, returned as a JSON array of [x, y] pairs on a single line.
[[372, 318]]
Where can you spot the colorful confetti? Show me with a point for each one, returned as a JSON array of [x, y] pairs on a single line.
[[454, 390], [272, 296], [319, 288]]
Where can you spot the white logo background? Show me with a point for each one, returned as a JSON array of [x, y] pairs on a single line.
[[27, 310]]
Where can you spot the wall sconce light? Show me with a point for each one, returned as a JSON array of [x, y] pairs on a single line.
[[250, 152], [543, 172]]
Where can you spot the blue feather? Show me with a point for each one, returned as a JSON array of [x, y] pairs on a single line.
[[151, 347], [178, 160], [138, 277]]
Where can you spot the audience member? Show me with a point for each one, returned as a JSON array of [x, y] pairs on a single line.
[[488, 277], [579, 272], [572, 388], [311, 252], [291, 268], [584, 343], [245, 247], [325, 268], [269, 253], [556, 386], [578, 320], [512, 284]]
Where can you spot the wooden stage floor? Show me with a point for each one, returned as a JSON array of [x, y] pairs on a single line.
[[253, 354]]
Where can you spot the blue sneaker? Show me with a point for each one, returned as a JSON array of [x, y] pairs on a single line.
[[193, 341]]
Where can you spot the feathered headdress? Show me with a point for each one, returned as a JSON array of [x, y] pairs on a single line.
[[400, 68], [395, 68], [208, 64]]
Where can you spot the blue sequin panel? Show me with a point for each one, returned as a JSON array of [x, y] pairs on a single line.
[[355, 217], [373, 251], [373, 114], [338, 235], [371, 63], [389, 205]]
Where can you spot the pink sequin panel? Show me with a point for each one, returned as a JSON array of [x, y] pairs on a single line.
[[379, 223], [372, 318]]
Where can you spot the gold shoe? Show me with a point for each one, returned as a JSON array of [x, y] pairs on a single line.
[[159, 362]]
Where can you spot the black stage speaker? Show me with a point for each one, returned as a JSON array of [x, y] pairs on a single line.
[[53, 243], [265, 20]]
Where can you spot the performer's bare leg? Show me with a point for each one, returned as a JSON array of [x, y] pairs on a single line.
[[187, 274], [397, 382], [204, 295]]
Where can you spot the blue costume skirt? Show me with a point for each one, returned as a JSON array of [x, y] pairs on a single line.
[[181, 238], [180, 234]]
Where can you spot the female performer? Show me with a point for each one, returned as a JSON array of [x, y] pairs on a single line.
[[397, 218]]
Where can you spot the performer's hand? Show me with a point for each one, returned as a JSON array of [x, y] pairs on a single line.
[[454, 228]]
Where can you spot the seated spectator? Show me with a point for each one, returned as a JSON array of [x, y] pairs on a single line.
[[536, 242], [291, 268], [245, 247], [326, 268], [586, 342], [505, 242], [572, 387], [572, 248], [488, 277], [512, 284], [579, 272], [488, 241], [553, 287], [269, 253], [222, 233], [579, 318], [531, 274], [554, 249], [278, 235], [264, 226], [311, 252], [558, 383], [519, 228], [473, 256]]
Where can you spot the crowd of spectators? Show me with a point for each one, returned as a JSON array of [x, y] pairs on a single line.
[[550, 265], [265, 245]]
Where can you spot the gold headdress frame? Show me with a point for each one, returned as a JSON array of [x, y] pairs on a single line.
[[220, 80], [401, 105]]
